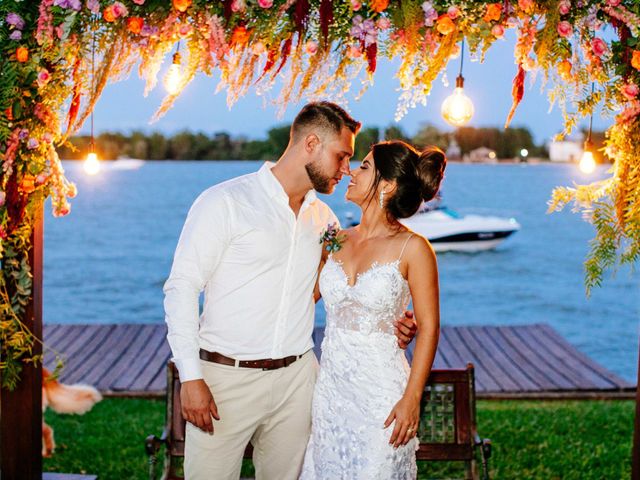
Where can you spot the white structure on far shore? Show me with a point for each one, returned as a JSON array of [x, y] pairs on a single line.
[[567, 150], [481, 155]]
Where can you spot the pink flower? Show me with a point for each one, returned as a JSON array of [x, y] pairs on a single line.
[[265, 3], [564, 29], [47, 137], [383, 23], [311, 47], [238, 6], [139, 2], [497, 31], [453, 12], [15, 35], [598, 46], [119, 10], [258, 48], [356, 5], [32, 143], [15, 20], [525, 4], [41, 178], [3, 196], [630, 91], [93, 6], [354, 51], [43, 77], [528, 64], [184, 30], [564, 7], [614, 3]]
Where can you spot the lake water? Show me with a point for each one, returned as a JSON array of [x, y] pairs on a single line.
[[108, 260]]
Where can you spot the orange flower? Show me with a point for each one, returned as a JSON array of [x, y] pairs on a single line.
[[108, 14], [240, 36], [493, 12], [22, 54], [445, 25], [564, 69], [635, 60], [379, 5], [181, 5], [134, 24], [28, 184]]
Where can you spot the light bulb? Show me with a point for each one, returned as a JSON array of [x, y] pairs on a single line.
[[457, 109], [587, 163], [173, 78], [91, 164]]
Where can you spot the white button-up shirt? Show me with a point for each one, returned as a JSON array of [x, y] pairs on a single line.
[[257, 264]]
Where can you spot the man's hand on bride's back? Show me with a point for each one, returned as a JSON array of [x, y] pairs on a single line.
[[198, 405], [406, 329]]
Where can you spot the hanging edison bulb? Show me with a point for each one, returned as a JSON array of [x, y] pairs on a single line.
[[91, 164], [457, 109], [173, 78], [587, 162]]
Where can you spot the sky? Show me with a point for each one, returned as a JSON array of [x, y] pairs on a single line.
[[123, 107]]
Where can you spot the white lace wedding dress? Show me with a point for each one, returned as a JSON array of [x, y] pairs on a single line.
[[363, 374]]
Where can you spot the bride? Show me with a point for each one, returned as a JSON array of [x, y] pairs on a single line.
[[366, 403]]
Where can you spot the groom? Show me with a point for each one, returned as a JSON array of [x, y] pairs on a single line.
[[252, 245]]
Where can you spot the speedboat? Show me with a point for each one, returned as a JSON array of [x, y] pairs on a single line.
[[447, 230]]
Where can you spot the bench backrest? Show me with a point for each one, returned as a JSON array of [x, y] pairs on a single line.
[[447, 424]]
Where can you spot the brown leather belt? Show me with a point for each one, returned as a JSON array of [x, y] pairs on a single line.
[[264, 364]]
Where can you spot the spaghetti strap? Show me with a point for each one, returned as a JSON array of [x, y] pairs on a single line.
[[405, 245]]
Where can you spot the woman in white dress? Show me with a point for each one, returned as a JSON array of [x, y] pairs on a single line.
[[366, 403]]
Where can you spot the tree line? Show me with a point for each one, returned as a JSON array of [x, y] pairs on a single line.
[[187, 145]]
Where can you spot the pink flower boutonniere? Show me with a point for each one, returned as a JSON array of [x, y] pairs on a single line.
[[332, 240]]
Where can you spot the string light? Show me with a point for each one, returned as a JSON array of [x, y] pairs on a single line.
[[457, 109], [173, 78], [92, 164], [587, 162]]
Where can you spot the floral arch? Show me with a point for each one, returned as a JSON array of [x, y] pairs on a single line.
[[308, 49]]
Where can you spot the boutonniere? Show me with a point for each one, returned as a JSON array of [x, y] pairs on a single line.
[[331, 238]]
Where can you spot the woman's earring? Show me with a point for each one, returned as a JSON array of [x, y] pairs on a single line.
[[382, 192]]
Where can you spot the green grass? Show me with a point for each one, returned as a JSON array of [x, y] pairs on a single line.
[[531, 440]]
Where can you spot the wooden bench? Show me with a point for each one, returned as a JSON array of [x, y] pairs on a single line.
[[447, 428]]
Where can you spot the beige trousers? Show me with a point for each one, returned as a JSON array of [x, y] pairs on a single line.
[[269, 408]]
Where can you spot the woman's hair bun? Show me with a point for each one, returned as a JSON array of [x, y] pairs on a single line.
[[429, 170]]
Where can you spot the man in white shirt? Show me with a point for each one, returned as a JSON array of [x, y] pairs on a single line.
[[252, 244]]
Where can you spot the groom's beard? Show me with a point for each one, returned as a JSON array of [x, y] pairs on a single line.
[[320, 181]]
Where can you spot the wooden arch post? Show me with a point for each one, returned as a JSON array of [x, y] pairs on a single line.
[[21, 409]]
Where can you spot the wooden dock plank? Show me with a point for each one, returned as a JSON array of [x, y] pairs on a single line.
[[513, 360], [484, 377], [556, 381], [486, 337], [489, 361], [571, 362], [528, 368], [449, 353], [128, 358], [584, 359], [556, 358], [135, 375], [110, 351], [96, 353]]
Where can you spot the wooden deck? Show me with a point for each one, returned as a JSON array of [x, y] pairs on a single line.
[[528, 361]]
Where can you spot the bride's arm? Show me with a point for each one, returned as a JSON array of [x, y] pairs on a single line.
[[422, 275], [316, 290]]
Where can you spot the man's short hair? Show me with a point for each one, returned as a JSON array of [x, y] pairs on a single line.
[[323, 116]]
